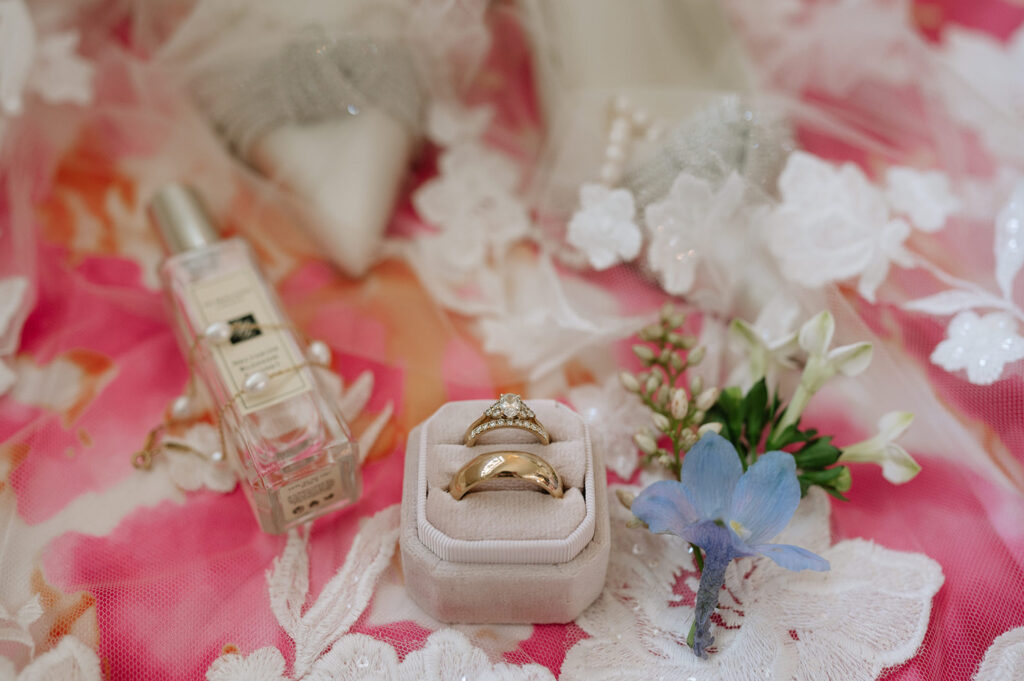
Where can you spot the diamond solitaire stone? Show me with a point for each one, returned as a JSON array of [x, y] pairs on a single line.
[[511, 405]]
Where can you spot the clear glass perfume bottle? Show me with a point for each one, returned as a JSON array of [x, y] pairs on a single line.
[[290, 446]]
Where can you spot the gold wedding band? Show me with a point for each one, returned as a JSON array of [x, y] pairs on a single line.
[[508, 412], [519, 465]]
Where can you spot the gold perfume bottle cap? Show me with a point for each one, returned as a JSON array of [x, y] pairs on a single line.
[[181, 219]]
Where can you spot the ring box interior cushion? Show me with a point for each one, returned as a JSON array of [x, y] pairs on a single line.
[[508, 553]]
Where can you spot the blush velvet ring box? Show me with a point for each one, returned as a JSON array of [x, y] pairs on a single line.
[[506, 555]]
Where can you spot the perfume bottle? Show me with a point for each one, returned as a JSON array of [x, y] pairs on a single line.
[[288, 443]]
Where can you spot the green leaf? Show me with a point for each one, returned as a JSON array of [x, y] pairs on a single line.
[[823, 477], [754, 412], [731, 402], [717, 415], [832, 480], [836, 493], [804, 486], [777, 440], [777, 406], [817, 453]]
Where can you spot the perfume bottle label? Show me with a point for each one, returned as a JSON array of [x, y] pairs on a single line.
[[310, 493], [257, 342]]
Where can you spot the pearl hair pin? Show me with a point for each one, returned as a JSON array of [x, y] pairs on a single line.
[[628, 123]]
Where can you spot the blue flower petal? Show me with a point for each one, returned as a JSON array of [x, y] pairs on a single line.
[[765, 498], [793, 557], [665, 507], [711, 470]]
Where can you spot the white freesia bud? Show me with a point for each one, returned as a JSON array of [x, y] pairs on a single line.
[[661, 422], [822, 363], [653, 381], [644, 352], [625, 497], [706, 399], [645, 442], [696, 356], [651, 332], [696, 385], [897, 465], [688, 439], [850, 360], [661, 397], [714, 427], [629, 382], [816, 333], [680, 404]]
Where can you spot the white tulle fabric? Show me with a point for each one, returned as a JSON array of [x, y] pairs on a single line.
[[868, 613]]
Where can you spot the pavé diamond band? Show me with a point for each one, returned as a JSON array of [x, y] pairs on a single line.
[[508, 412], [493, 465]]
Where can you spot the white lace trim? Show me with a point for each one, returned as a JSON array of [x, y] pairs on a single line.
[[1004, 659], [447, 654], [343, 599], [868, 613], [323, 652]]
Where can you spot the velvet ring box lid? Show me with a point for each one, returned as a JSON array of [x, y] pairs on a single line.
[[503, 555]]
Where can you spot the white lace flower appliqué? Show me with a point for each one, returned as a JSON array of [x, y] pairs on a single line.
[[474, 203], [69, 660], [832, 225], [45, 64], [923, 196], [613, 415], [323, 649], [448, 654], [603, 227], [549, 318], [687, 226], [981, 345], [190, 470], [1004, 659], [770, 623], [994, 98]]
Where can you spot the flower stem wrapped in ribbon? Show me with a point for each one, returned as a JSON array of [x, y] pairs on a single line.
[[727, 513]]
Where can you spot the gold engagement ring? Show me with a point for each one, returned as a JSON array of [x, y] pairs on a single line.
[[508, 412]]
